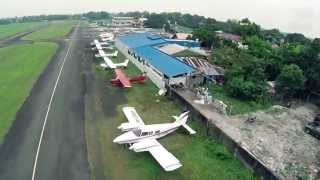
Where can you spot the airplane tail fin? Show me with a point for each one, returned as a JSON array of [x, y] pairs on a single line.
[[182, 120], [115, 54]]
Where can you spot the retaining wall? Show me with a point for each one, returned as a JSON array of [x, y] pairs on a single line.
[[239, 152]]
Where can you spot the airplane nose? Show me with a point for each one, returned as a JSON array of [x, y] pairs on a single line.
[[116, 140]]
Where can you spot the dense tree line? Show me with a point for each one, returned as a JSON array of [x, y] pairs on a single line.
[[291, 60], [97, 15]]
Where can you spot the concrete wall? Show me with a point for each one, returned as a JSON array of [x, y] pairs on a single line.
[[240, 153]]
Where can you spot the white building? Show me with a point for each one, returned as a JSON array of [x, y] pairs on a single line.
[[127, 22]]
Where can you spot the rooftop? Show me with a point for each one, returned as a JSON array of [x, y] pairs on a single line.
[[229, 36], [135, 40], [168, 65]]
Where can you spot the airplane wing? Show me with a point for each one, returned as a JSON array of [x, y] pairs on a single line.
[[167, 160], [122, 78], [102, 53], [98, 46], [109, 63], [132, 115]]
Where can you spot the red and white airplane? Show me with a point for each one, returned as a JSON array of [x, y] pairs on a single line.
[[123, 80]]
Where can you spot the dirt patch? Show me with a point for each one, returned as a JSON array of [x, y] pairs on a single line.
[[278, 139]]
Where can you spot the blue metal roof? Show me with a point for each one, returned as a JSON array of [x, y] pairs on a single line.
[[168, 65], [135, 40], [186, 43]]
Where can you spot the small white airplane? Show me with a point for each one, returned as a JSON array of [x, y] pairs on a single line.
[[98, 46], [101, 43], [143, 137], [103, 54], [107, 39], [108, 62], [106, 35]]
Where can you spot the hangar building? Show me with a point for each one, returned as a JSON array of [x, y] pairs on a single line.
[[163, 69]]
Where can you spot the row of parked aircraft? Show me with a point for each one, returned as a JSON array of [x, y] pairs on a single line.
[[121, 78], [139, 136]]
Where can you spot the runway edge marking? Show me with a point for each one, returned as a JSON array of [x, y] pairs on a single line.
[[49, 105]]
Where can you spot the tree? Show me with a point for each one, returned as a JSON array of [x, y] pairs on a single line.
[[204, 35], [296, 38], [290, 81], [310, 64], [250, 29], [97, 15], [273, 36], [155, 21], [247, 80], [258, 47]]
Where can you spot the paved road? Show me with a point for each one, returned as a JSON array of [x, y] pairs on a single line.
[[62, 154]]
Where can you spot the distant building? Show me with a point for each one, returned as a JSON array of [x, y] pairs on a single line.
[[127, 21], [228, 36], [236, 39], [163, 69]]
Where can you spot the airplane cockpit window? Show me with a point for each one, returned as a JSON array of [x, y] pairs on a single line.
[[137, 132], [158, 132], [144, 133]]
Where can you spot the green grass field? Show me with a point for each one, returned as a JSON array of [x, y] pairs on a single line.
[[201, 156], [20, 66], [236, 106], [54, 30], [11, 29]]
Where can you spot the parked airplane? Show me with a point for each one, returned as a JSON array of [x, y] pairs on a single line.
[[108, 62], [101, 43], [103, 54], [107, 39], [143, 137], [99, 46], [123, 80], [106, 35]]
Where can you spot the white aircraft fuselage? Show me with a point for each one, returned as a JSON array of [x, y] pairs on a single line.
[[136, 135], [142, 138]]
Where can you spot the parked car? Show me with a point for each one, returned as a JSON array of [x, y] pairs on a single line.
[[313, 128]]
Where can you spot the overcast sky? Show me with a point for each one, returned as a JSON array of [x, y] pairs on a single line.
[[287, 15]]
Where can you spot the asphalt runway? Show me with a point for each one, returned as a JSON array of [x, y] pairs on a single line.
[[62, 153]]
